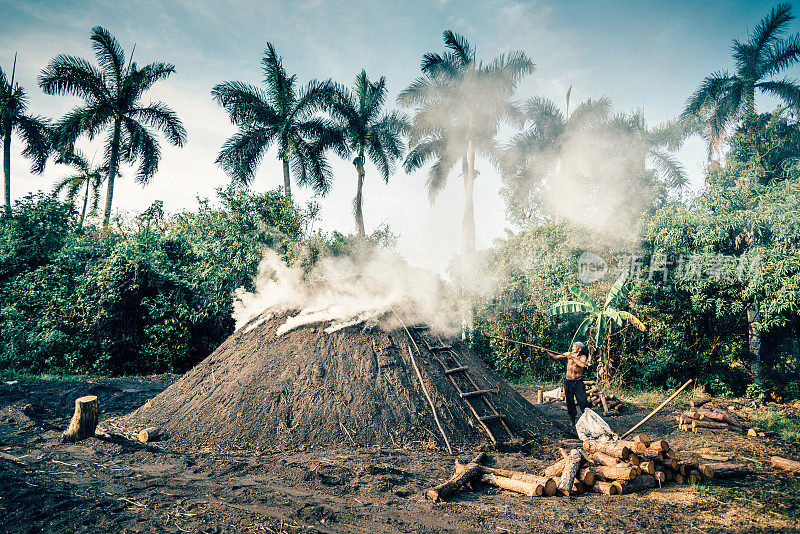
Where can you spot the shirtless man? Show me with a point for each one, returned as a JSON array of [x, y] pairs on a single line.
[[574, 390]]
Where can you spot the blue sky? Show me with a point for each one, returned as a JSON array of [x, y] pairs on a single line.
[[640, 54]]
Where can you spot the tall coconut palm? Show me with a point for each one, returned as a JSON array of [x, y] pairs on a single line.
[[723, 99], [86, 177], [33, 130], [368, 132], [112, 105], [458, 104], [281, 115]]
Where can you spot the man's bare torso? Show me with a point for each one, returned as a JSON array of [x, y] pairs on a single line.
[[575, 371]]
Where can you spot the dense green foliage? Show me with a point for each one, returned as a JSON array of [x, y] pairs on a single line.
[[156, 295]]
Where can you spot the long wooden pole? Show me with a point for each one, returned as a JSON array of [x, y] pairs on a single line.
[[643, 421], [522, 343]]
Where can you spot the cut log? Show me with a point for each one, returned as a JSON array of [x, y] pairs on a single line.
[[621, 472], [554, 470], [640, 483], [84, 420], [548, 482], [571, 464], [471, 472], [672, 463], [731, 420], [679, 478], [604, 459], [658, 445], [648, 467], [709, 424], [604, 403], [642, 438], [150, 434], [539, 397], [687, 466], [712, 416], [756, 432], [696, 403], [586, 475], [612, 448], [694, 477], [607, 488], [634, 459], [635, 446], [518, 486], [784, 463], [722, 470]]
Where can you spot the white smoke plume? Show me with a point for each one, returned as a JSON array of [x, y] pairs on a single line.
[[342, 291]]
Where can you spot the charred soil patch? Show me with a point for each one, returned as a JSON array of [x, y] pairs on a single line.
[[116, 485]]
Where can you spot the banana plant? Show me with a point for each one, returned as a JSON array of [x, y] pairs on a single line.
[[597, 318]]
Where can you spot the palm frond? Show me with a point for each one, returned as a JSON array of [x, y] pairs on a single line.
[[35, 134], [785, 89], [669, 168], [160, 116], [76, 76], [245, 104], [109, 54], [460, 47], [243, 151], [781, 56], [141, 146], [771, 27]]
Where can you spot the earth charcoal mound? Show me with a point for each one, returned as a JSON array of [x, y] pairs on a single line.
[[355, 386]]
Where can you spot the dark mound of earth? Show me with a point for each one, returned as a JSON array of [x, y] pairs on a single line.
[[356, 386]]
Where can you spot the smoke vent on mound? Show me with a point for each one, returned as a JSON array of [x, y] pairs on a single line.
[[271, 387]]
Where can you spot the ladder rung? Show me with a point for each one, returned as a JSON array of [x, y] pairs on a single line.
[[440, 347], [455, 370], [476, 393], [486, 418], [420, 327]]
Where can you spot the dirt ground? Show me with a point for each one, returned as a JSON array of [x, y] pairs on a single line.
[[116, 485]]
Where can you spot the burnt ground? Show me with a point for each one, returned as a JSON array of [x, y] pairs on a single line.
[[116, 485]]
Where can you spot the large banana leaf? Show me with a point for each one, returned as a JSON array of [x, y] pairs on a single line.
[[631, 318], [568, 306], [580, 333], [618, 291], [586, 299]]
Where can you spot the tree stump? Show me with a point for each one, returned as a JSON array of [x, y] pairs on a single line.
[[84, 421]]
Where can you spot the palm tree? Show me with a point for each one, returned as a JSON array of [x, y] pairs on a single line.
[[723, 98], [33, 130], [368, 132], [112, 95], [459, 103], [598, 318], [88, 177], [279, 114], [556, 146]]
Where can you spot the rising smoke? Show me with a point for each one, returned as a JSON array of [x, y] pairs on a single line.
[[345, 291]]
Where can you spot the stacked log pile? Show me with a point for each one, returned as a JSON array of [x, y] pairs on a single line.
[[609, 404], [703, 417], [607, 467]]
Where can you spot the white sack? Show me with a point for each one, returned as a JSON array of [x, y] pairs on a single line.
[[592, 426]]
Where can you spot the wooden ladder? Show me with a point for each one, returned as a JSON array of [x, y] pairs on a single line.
[[478, 400]]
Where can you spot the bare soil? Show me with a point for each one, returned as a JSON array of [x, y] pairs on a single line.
[[116, 485]]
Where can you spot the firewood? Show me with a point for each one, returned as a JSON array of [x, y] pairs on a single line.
[[634, 459], [640, 483], [756, 432], [518, 486], [554, 470], [84, 420], [604, 459], [539, 395], [687, 466], [784, 463], [658, 446], [642, 438], [672, 454], [648, 467], [150, 434], [712, 416], [612, 448], [709, 424], [621, 472], [471, 472], [722, 470], [672, 463], [548, 482], [679, 478], [694, 477], [635, 446], [607, 488], [586, 475], [696, 403], [604, 404], [571, 465], [731, 420]]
